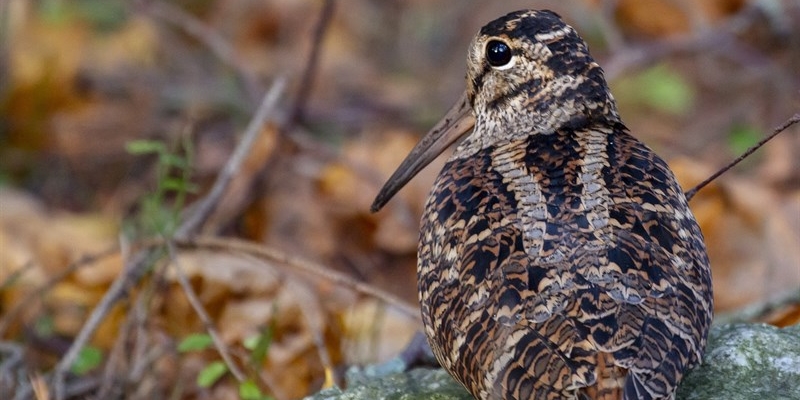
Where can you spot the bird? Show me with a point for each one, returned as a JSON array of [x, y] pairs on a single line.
[[558, 257]]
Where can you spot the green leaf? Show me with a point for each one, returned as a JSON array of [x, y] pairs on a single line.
[[174, 184], [211, 374], [259, 352], [259, 344], [659, 88], [53, 11], [195, 342], [44, 326], [742, 137], [141, 147], [88, 359], [666, 90], [174, 160], [248, 390], [104, 15], [178, 185]]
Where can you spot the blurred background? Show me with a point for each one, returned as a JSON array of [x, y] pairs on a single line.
[[114, 115]]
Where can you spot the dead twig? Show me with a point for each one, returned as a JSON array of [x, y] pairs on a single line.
[[300, 265], [140, 261], [130, 275], [200, 211], [307, 79], [753, 312], [11, 355], [25, 303], [120, 358], [139, 360], [201, 312], [218, 45], [791, 121], [15, 276], [315, 319], [713, 39]]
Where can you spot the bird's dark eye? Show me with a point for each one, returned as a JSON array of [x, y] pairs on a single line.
[[498, 53]]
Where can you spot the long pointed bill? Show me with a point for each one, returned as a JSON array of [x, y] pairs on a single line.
[[458, 121]]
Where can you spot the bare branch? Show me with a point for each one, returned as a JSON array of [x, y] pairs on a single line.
[[693, 191], [300, 265], [754, 312], [9, 316], [140, 261], [713, 39], [130, 275], [310, 70], [200, 211], [218, 45], [12, 357], [201, 312]]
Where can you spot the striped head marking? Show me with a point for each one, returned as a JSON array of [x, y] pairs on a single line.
[[530, 73]]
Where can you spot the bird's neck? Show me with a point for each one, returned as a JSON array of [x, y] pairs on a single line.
[[563, 168], [564, 103], [490, 133]]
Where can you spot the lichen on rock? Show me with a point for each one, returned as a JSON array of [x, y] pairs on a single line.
[[742, 362]]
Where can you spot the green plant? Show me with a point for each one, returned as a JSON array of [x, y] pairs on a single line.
[[89, 358], [160, 210], [258, 346], [741, 137]]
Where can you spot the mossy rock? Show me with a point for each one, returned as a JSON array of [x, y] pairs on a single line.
[[742, 362], [747, 361]]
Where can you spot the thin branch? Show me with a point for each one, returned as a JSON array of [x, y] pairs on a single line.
[[142, 345], [116, 358], [202, 210], [300, 265], [215, 42], [130, 275], [25, 303], [314, 318], [754, 312], [201, 312], [16, 275], [714, 39], [136, 269], [791, 121], [11, 357], [310, 70]]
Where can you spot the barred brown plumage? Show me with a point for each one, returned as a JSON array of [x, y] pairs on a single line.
[[558, 257]]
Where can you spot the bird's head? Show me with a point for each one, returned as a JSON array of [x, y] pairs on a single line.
[[528, 73]]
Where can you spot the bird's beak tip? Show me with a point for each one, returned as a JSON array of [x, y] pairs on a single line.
[[458, 121], [375, 207]]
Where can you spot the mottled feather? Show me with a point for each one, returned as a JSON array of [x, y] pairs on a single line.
[[558, 257]]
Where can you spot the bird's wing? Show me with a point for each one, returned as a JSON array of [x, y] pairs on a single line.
[[534, 327], [657, 274], [473, 272]]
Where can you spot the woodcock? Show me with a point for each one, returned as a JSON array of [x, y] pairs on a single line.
[[558, 258]]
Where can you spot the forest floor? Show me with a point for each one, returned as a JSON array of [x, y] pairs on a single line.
[[185, 186]]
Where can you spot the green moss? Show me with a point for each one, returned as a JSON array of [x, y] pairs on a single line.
[[747, 361], [742, 362]]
